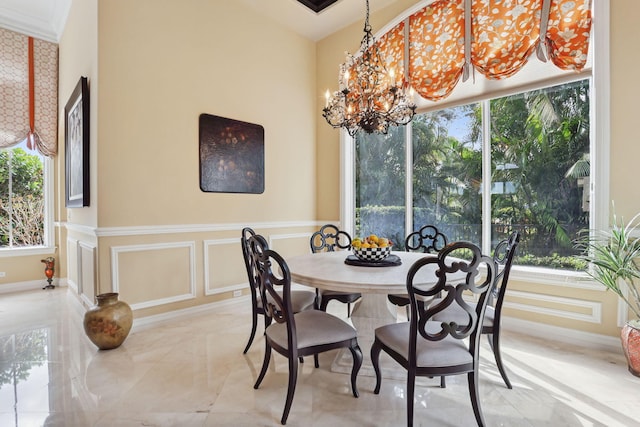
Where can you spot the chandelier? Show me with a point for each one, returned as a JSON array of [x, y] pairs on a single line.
[[371, 99]]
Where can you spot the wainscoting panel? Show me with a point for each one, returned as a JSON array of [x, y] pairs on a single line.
[[87, 282], [72, 264], [149, 275], [224, 269], [549, 305]]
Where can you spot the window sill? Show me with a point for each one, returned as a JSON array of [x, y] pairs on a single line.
[[34, 250]]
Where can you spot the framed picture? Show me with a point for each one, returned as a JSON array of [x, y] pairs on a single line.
[[76, 146], [231, 156]]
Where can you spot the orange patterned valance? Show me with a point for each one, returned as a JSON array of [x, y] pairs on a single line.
[[568, 34], [501, 38], [436, 48], [504, 34]]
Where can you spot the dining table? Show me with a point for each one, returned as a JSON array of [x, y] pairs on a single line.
[[375, 280]]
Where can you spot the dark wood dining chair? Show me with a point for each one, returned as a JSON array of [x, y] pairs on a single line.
[[426, 347], [503, 256], [300, 299], [329, 239], [295, 335], [427, 239]]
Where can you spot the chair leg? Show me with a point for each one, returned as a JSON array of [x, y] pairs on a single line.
[[293, 377], [375, 355], [443, 382], [265, 365], [323, 303], [495, 346], [411, 388], [254, 326], [472, 379], [356, 352]]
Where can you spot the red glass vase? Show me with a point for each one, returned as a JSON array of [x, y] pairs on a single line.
[[630, 337]]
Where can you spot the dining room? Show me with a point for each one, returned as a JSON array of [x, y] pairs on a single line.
[[164, 77]]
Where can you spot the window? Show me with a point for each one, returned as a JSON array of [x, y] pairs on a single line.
[[23, 201], [480, 170], [462, 124]]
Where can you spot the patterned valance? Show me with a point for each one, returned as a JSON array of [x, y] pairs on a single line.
[[29, 92], [448, 38]]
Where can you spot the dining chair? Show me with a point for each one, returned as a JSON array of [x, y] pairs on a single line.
[[427, 239], [503, 257], [295, 335], [426, 347], [329, 239], [300, 299]]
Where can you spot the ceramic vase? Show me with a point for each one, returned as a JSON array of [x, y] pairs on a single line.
[[108, 323], [630, 337]]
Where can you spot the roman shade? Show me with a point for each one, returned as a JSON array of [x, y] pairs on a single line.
[[29, 92]]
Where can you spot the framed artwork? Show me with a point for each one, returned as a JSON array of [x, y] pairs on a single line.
[[76, 146], [231, 156]]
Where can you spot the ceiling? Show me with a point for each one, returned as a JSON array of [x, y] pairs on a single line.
[[45, 19]]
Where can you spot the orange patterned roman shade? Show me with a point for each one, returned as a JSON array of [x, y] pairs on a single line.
[[28, 92]]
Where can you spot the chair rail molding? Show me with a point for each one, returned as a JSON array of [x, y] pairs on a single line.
[[198, 228]]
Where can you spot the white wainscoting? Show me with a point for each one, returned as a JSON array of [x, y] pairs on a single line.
[[595, 308], [234, 245], [117, 251]]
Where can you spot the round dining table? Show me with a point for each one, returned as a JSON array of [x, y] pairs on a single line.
[[328, 270]]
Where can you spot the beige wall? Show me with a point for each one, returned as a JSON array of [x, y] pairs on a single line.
[[625, 92], [162, 64], [154, 66]]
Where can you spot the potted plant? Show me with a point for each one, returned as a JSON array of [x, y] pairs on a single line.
[[613, 261]]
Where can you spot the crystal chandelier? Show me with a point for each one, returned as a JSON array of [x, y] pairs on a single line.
[[371, 99]]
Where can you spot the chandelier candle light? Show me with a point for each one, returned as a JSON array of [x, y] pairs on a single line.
[[371, 99]]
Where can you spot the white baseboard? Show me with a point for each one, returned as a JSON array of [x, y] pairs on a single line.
[[30, 285], [149, 321]]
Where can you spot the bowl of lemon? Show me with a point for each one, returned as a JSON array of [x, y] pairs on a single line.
[[371, 248]]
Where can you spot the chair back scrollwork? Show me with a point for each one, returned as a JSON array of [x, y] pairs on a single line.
[[428, 240], [274, 282], [329, 238], [461, 269]]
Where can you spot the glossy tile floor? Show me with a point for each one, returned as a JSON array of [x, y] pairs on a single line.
[[191, 372]]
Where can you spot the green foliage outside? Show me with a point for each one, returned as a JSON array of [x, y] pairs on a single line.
[[537, 139], [21, 199]]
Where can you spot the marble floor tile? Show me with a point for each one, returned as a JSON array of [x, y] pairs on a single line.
[[190, 372]]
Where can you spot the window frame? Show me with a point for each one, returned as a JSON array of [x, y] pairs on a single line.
[[48, 234], [599, 112]]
